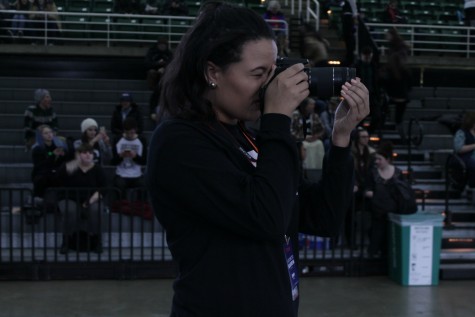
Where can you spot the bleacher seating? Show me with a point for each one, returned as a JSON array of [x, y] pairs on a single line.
[[102, 6], [417, 12], [75, 99]]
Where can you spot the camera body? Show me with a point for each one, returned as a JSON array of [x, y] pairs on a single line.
[[324, 82]]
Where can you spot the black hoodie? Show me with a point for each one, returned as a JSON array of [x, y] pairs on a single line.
[[227, 221]]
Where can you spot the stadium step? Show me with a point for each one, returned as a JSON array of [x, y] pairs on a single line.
[[16, 136], [68, 94], [16, 121], [73, 84], [82, 108]]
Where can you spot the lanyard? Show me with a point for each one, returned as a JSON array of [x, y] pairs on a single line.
[[247, 137]]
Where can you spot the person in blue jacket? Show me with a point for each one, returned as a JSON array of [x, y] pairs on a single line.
[[232, 202], [464, 145]]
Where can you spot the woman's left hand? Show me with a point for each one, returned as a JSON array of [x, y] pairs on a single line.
[[352, 109]]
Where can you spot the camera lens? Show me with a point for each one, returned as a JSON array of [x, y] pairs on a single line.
[[326, 82]]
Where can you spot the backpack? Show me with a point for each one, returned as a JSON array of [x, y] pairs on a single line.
[[133, 208], [404, 196]]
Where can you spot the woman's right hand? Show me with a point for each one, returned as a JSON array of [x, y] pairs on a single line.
[[286, 91]]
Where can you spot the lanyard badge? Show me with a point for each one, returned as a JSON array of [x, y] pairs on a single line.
[[292, 268]]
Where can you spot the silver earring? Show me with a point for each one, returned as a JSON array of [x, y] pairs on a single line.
[[212, 85]]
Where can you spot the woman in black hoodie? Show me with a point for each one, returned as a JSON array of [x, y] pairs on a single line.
[[228, 199]]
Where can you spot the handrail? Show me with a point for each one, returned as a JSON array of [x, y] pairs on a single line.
[[413, 140], [314, 14], [106, 28], [423, 38], [453, 163], [115, 29]]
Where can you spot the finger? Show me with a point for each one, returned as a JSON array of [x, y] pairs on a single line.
[[356, 95], [352, 100], [270, 76], [360, 89], [294, 78]]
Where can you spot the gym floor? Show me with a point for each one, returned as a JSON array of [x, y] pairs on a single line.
[[320, 296]]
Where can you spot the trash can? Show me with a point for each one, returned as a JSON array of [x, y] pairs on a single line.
[[414, 248]]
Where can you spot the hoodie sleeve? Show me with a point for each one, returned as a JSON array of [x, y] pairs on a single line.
[[323, 205]]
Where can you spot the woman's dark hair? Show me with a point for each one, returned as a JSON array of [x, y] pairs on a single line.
[[357, 133], [217, 36], [468, 120], [84, 137], [364, 156], [397, 65], [85, 147], [385, 149], [396, 42]]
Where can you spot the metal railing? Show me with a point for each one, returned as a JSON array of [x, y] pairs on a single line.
[[31, 237], [30, 232], [428, 39], [107, 29], [312, 13]]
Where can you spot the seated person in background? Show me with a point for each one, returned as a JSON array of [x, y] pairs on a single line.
[[53, 26], [273, 12], [98, 139], [379, 185], [157, 58], [175, 7], [464, 145], [307, 127], [19, 18], [126, 109], [314, 46], [391, 13], [130, 154], [48, 154], [38, 114], [363, 159], [81, 209]]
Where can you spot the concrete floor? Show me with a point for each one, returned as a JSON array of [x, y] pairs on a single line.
[[320, 296]]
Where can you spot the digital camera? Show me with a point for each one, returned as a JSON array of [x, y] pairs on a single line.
[[324, 82]]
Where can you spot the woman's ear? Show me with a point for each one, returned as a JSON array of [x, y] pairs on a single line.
[[212, 73]]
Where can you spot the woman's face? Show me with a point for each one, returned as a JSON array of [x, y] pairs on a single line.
[[46, 102], [381, 161], [236, 96], [309, 108], [91, 133], [47, 134], [363, 138]]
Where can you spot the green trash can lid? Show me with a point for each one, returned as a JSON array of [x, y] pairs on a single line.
[[419, 218]]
